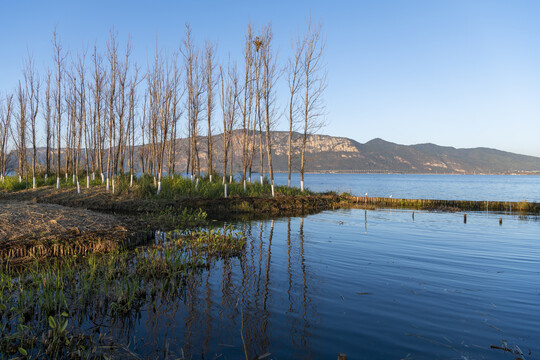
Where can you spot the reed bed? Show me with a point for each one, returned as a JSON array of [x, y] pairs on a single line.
[[448, 205]]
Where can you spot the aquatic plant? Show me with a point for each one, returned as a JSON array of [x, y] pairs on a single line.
[[48, 307]]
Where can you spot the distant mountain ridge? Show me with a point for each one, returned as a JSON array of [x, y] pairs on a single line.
[[326, 153]]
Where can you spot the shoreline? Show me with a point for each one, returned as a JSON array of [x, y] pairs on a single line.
[[98, 221]]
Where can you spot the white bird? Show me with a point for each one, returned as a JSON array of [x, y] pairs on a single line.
[[366, 194], [390, 196]]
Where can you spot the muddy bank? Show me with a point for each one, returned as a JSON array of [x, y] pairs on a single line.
[[232, 208], [31, 230]]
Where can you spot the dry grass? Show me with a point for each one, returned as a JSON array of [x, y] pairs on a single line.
[[30, 230]]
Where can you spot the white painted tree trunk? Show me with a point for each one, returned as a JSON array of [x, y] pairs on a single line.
[[210, 177], [74, 178], [87, 182], [20, 179], [58, 182], [245, 186], [34, 182], [225, 191], [273, 194], [230, 179], [93, 176], [102, 178], [78, 187], [301, 185], [288, 182], [223, 182], [155, 183], [197, 184], [131, 181], [261, 179], [66, 176], [158, 187], [107, 184], [45, 176]]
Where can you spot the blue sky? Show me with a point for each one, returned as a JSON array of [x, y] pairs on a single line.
[[455, 73]]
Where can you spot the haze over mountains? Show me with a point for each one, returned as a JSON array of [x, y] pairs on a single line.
[[339, 154]]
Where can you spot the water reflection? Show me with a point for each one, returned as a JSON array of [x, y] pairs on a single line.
[[236, 299], [313, 287]]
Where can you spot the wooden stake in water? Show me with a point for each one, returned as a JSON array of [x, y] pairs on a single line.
[[464, 218]]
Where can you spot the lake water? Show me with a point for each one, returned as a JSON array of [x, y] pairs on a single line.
[[371, 284], [441, 187]]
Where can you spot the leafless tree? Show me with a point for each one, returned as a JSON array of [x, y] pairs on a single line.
[[32, 84], [47, 113], [19, 134], [229, 100], [6, 109], [247, 101], [59, 58], [176, 113], [112, 56], [314, 74], [294, 68], [81, 115], [131, 122], [97, 115], [194, 89], [209, 68], [269, 78]]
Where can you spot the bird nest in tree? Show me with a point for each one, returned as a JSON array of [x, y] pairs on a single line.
[[30, 230]]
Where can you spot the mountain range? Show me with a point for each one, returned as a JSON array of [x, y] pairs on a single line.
[[326, 153], [339, 154]]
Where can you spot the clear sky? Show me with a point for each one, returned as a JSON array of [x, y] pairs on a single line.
[[462, 73]]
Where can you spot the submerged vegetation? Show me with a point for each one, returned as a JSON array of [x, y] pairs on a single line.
[[67, 308]]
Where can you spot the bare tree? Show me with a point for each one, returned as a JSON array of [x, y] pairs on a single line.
[[81, 115], [269, 75], [294, 68], [98, 127], [112, 52], [209, 67], [32, 85], [131, 122], [176, 113], [258, 44], [47, 113], [19, 134], [314, 75], [6, 110], [194, 88], [247, 101], [229, 100], [59, 58]]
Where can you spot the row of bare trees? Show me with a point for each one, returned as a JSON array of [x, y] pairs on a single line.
[[99, 114]]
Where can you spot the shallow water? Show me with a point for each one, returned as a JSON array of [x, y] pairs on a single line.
[[440, 187], [373, 285]]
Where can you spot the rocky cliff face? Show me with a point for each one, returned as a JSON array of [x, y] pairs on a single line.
[[338, 154]]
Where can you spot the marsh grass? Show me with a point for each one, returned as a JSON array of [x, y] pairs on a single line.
[[50, 308], [175, 187]]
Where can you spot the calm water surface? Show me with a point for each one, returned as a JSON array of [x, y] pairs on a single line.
[[374, 285], [442, 187]]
